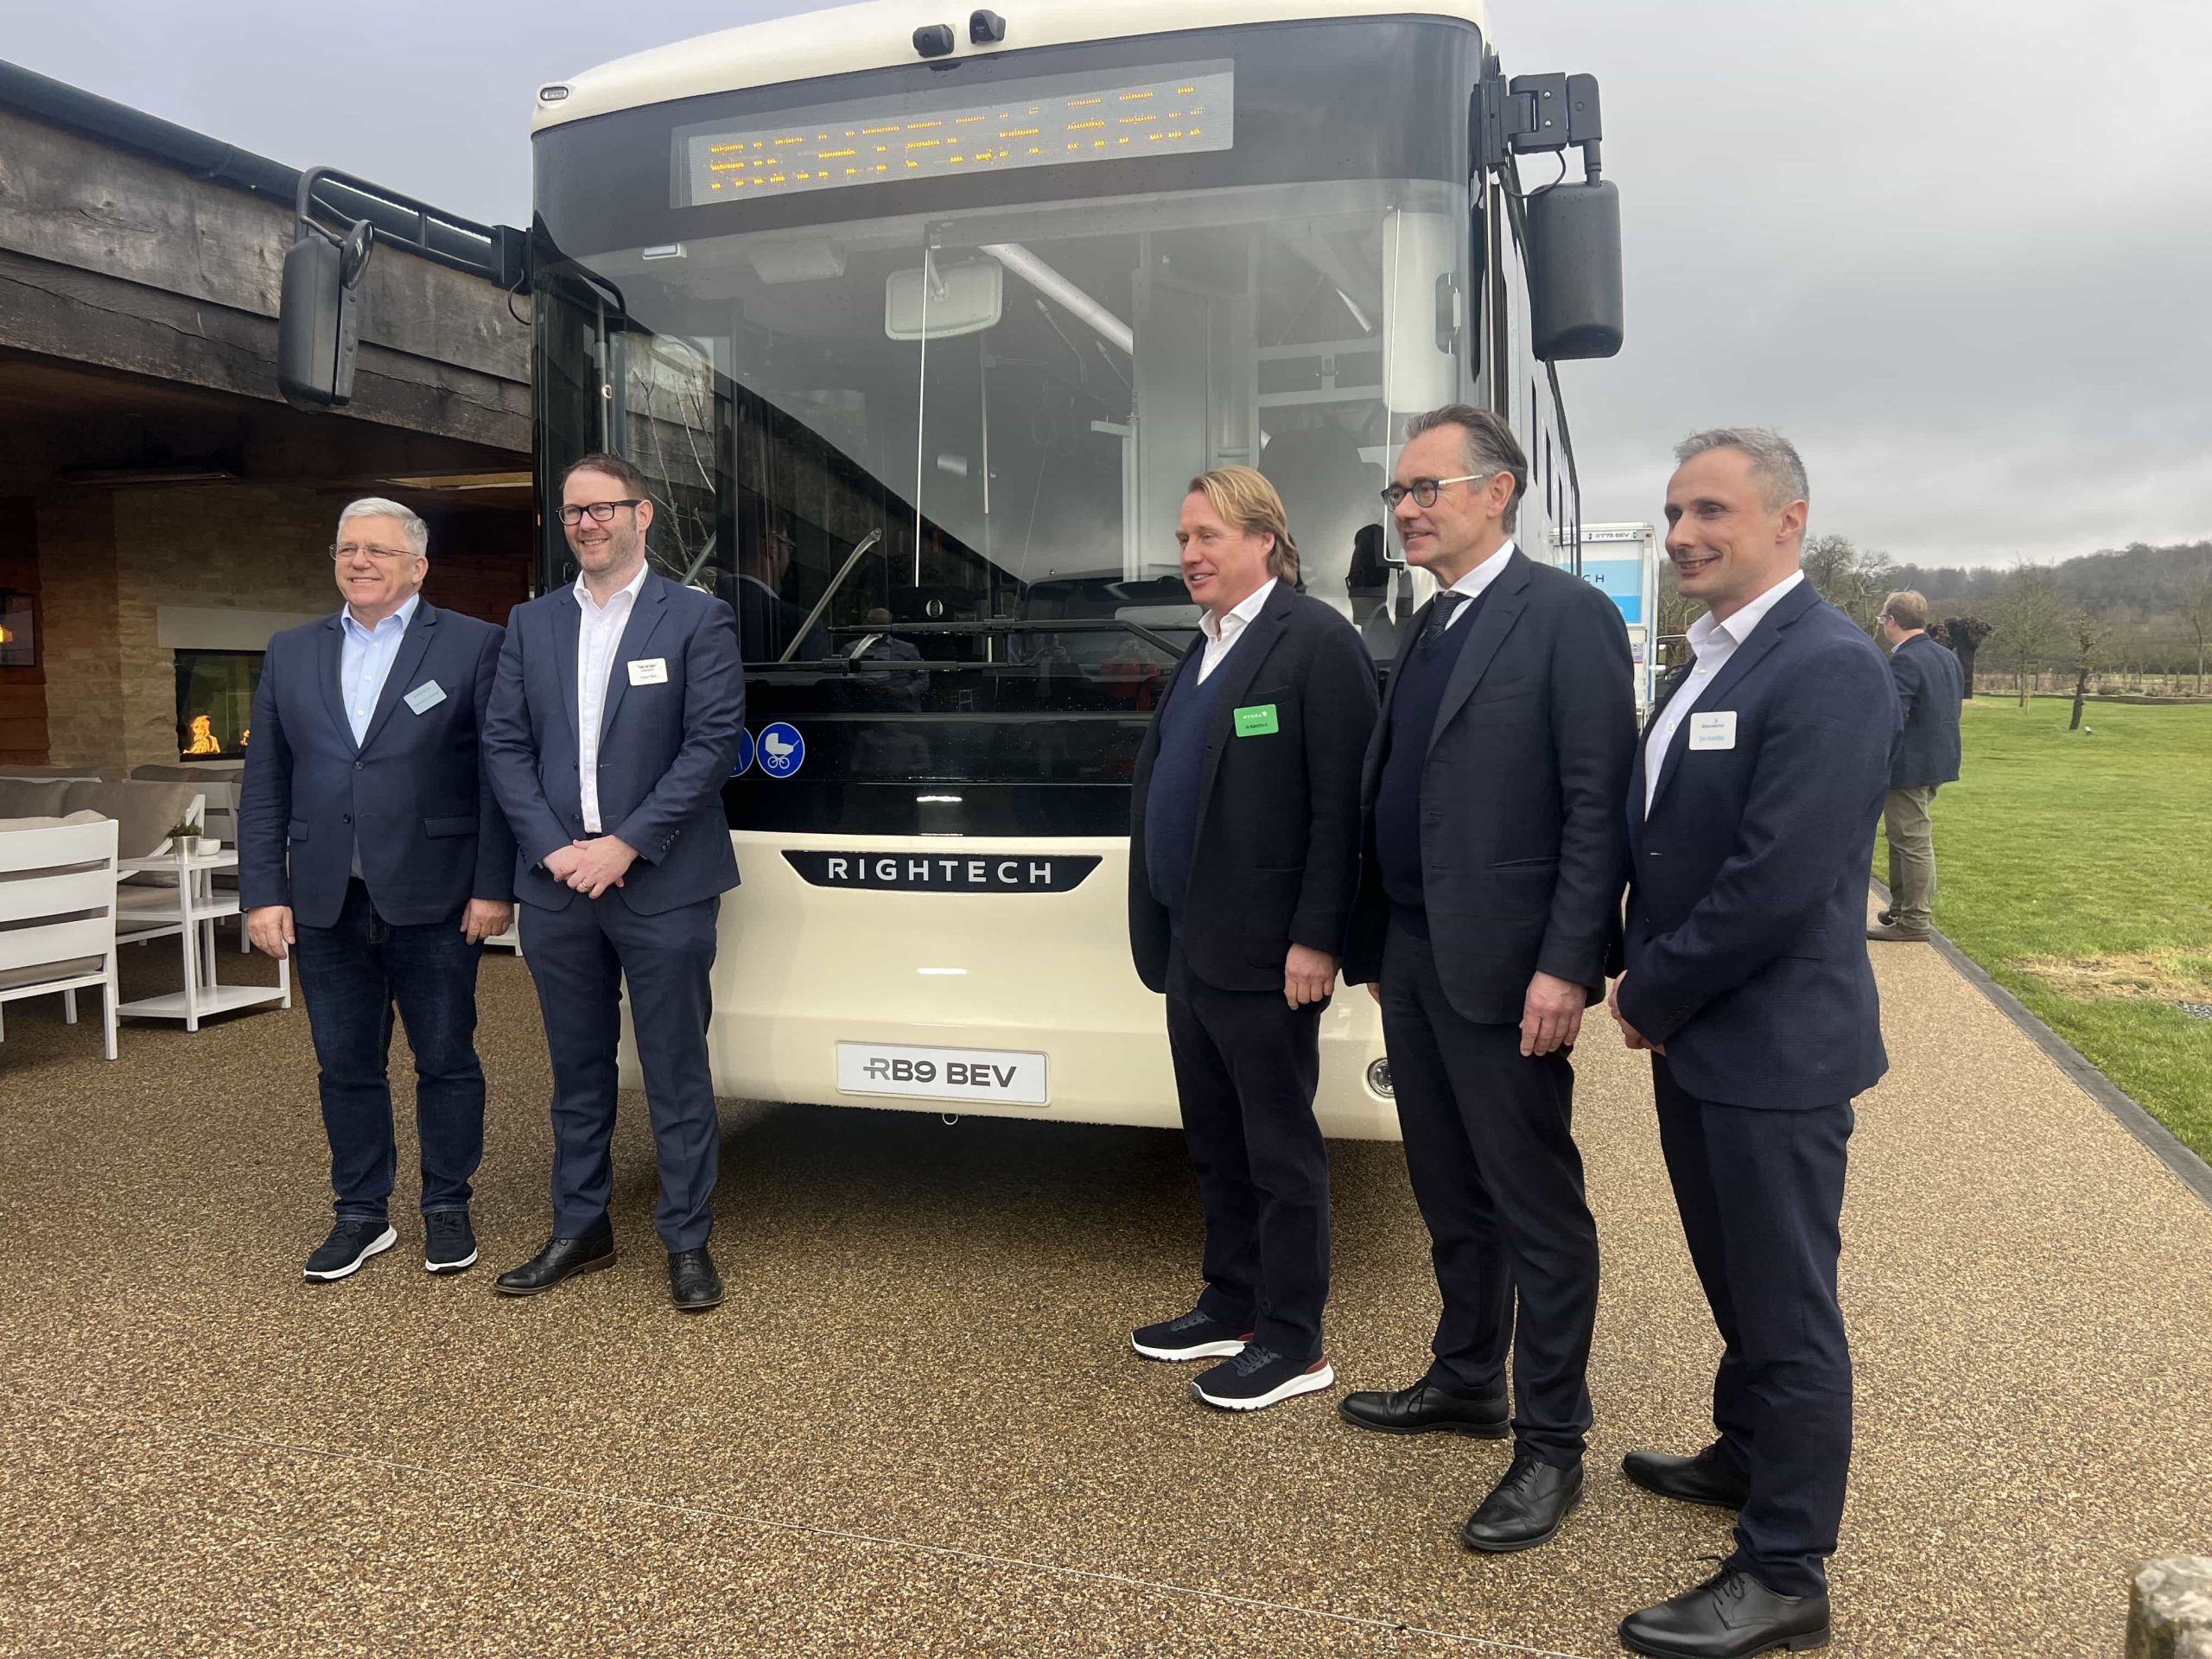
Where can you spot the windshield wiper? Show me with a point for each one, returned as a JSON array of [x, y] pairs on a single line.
[[1028, 624], [831, 592]]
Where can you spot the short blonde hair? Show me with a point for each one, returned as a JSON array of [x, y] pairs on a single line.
[[1907, 609], [1243, 499]]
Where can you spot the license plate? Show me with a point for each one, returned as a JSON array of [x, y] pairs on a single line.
[[990, 1074]]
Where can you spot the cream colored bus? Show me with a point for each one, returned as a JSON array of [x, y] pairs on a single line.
[[920, 322]]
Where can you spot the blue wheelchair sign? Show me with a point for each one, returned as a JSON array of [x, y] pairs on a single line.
[[745, 751], [783, 751]]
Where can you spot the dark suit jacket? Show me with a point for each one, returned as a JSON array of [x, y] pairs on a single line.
[[663, 749], [1524, 850], [412, 792], [1747, 901], [1277, 846], [1930, 686]]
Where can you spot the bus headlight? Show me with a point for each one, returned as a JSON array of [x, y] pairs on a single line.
[[1378, 1079]]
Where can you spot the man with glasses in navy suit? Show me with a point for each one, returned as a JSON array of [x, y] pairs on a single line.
[[1751, 830], [613, 723]]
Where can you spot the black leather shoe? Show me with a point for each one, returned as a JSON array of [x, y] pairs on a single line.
[[1424, 1407], [1706, 1477], [561, 1258], [693, 1284], [1730, 1616], [1526, 1508]]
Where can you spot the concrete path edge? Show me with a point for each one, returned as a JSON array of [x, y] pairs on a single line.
[[2154, 1136]]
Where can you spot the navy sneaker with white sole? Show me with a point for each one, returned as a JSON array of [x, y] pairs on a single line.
[[1259, 1378], [351, 1241], [448, 1241], [1194, 1335]]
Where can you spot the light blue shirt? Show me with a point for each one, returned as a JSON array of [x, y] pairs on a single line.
[[365, 663]]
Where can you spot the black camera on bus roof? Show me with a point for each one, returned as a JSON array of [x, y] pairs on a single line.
[[934, 39], [985, 28]]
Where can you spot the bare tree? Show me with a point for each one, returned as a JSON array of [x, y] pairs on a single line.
[[1855, 582], [2194, 594], [2027, 622], [2087, 636]]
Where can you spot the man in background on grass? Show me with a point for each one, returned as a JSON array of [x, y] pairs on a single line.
[[1930, 687]]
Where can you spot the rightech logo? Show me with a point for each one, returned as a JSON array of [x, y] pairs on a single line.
[[944, 873]]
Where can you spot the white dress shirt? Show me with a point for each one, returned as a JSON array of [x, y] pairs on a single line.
[[1470, 586], [599, 641], [1715, 643], [1221, 636]]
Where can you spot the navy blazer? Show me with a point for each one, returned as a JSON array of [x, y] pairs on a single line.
[[665, 748], [1746, 935], [1522, 850], [1930, 687], [411, 792], [1276, 848]]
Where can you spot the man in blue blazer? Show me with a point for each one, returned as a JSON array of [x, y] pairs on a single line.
[[614, 720], [1930, 687], [371, 851], [1751, 817]]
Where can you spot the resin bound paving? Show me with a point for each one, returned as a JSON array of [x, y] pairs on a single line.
[[916, 1427]]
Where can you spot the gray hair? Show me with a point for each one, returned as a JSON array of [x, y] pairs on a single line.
[[1490, 446], [375, 506], [1775, 460]]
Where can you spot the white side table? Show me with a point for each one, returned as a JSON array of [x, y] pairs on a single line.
[[197, 908]]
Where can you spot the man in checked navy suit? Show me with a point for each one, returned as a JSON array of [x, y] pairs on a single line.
[[1750, 828], [614, 722], [371, 851]]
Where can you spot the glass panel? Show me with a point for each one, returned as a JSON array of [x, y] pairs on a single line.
[[214, 702], [934, 458]]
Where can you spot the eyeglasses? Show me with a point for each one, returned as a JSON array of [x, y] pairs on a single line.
[[381, 555], [602, 512], [1424, 490]]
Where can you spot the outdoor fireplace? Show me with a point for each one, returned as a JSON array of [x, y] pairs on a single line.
[[214, 702]]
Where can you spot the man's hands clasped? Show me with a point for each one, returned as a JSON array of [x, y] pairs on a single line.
[[591, 867]]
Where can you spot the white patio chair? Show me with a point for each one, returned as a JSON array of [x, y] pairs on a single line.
[[57, 916]]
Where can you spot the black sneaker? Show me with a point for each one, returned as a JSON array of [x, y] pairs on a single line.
[[448, 1241], [1195, 1335], [351, 1241], [1259, 1377]]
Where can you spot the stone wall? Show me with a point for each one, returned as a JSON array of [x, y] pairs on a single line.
[[111, 559]]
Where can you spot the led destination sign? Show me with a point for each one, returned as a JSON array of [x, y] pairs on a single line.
[[1046, 123]]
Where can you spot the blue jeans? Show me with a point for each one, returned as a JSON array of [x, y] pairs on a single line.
[[351, 976]]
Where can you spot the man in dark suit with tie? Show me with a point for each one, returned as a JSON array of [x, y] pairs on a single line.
[[1243, 850], [372, 852], [1751, 828], [1489, 918], [613, 723], [1930, 687]]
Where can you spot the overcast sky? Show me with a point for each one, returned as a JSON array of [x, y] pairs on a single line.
[[1958, 250]]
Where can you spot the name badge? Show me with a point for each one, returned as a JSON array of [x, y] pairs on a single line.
[[649, 670], [1716, 730], [426, 696], [1257, 721]]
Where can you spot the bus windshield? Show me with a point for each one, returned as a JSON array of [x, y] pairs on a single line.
[[921, 367]]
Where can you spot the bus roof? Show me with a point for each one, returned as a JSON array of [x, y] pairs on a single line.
[[880, 35]]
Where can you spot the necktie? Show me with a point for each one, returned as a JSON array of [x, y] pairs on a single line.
[[1440, 615]]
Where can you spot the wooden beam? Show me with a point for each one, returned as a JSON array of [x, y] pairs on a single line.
[[62, 312]]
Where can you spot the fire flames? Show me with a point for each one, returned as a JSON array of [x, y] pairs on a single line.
[[203, 740]]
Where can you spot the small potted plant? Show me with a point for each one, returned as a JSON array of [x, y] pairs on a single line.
[[186, 841]]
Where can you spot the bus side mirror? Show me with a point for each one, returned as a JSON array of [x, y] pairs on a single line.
[[1574, 271], [318, 325]]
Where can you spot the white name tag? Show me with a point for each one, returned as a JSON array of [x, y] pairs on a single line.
[[426, 696], [1714, 731], [649, 670]]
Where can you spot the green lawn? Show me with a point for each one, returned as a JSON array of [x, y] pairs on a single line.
[[2077, 867]]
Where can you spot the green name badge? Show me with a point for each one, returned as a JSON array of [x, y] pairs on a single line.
[[1258, 721]]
